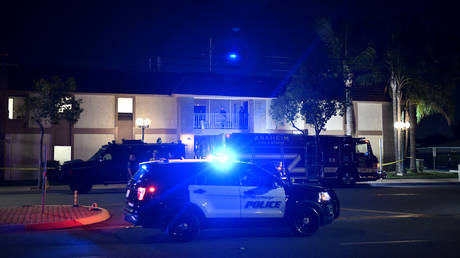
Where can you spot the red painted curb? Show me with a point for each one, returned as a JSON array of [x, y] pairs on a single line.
[[102, 216], [52, 225]]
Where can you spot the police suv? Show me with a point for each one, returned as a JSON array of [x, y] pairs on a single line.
[[184, 196]]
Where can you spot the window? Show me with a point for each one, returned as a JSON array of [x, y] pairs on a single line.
[[107, 156], [62, 153], [254, 176], [209, 175], [65, 107], [125, 105], [15, 107], [10, 108], [125, 108], [362, 149]]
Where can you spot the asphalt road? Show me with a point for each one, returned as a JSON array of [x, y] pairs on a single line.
[[412, 220]]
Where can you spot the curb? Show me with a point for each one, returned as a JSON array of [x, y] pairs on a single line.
[[102, 216]]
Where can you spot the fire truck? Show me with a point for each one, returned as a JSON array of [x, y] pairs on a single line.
[[298, 158]]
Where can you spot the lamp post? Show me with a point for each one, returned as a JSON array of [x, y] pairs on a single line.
[[143, 123], [401, 126]]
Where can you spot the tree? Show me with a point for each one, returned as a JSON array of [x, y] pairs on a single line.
[[353, 64], [310, 96], [398, 80], [52, 102]]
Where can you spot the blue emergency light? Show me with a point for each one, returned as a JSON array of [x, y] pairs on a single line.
[[233, 56], [222, 159]]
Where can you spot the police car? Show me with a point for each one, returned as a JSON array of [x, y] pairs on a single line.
[[184, 196]]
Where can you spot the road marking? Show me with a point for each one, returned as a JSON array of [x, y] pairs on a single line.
[[380, 217], [398, 194], [390, 215], [386, 242], [378, 211]]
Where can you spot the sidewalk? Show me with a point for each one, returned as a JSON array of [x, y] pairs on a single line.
[[415, 181], [6, 189], [30, 218]]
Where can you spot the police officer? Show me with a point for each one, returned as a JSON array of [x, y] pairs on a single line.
[[133, 165]]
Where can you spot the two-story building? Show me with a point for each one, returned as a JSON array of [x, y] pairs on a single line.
[[179, 106]]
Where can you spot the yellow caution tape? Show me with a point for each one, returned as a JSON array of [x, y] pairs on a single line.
[[394, 162]]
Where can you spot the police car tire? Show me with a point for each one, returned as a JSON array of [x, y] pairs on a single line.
[[305, 221], [183, 229]]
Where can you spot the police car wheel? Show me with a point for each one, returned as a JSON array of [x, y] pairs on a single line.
[[348, 178], [306, 222], [184, 228]]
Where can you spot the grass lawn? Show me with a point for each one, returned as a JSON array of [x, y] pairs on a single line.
[[423, 175]]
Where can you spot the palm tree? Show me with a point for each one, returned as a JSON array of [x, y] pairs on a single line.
[[398, 81], [353, 64], [423, 99]]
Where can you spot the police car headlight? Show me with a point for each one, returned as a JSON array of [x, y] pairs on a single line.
[[323, 197]]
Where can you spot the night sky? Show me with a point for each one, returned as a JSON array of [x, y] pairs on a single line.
[[271, 36], [124, 34]]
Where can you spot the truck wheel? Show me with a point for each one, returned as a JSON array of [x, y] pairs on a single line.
[[305, 222], [348, 178], [184, 228], [82, 187]]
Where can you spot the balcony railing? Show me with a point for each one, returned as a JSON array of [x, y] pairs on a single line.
[[220, 121]]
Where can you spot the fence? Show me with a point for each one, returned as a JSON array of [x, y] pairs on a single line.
[[440, 158]]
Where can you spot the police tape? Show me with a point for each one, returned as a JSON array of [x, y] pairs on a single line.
[[25, 169], [394, 162]]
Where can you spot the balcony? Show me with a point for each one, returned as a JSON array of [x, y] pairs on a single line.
[[220, 121]]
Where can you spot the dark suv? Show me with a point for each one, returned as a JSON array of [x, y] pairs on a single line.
[[109, 164], [184, 196]]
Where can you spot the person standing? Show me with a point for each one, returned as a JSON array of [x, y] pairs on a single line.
[[133, 165], [223, 115], [241, 117]]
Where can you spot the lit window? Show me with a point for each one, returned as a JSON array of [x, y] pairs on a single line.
[[62, 153], [10, 108], [65, 106], [125, 105], [16, 107]]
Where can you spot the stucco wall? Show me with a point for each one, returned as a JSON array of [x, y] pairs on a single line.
[[335, 123], [388, 136], [185, 116], [152, 138], [260, 114], [369, 116], [85, 145], [23, 151], [98, 111], [161, 110]]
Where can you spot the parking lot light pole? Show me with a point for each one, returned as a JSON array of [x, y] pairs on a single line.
[[143, 123]]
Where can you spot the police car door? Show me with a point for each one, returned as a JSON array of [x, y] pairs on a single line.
[[261, 195], [216, 192]]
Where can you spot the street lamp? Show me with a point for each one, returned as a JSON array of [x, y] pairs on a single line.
[[401, 126], [143, 123]]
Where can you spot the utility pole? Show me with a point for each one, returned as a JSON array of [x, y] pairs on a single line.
[[3, 111], [210, 54]]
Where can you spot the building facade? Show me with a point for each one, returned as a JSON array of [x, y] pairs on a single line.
[[177, 116]]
